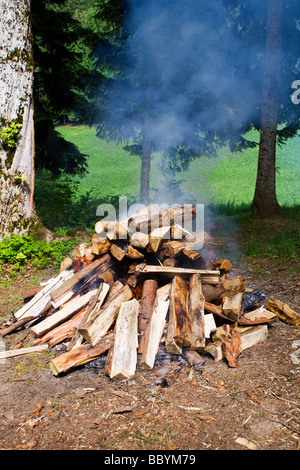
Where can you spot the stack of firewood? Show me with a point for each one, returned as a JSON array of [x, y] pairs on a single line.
[[134, 288]]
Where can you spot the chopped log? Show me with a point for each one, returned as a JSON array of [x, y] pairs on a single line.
[[283, 311], [35, 307], [122, 356], [118, 252], [222, 264], [170, 262], [178, 232], [139, 240], [63, 314], [81, 279], [80, 250], [146, 309], [191, 254], [154, 334], [21, 351], [100, 323], [79, 356], [100, 245], [133, 253], [173, 248], [163, 293], [157, 236], [232, 306], [196, 312], [231, 344], [213, 292], [209, 276], [216, 310], [178, 333], [250, 336]]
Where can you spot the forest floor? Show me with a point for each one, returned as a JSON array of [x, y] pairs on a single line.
[[255, 405]]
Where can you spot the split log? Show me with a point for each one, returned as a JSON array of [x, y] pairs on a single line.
[[118, 232], [100, 323], [196, 312], [191, 254], [102, 227], [122, 356], [118, 252], [157, 236], [139, 240], [173, 248], [283, 311], [100, 245], [250, 336], [37, 304], [178, 333], [79, 356], [154, 334], [209, 276], [234, 285], [82, 279], [232, 306], [146, 309], [63, 314], [133, 253], [193, 358]]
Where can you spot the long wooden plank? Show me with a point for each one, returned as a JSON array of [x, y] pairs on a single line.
[[21, 351], [63, 314], [210, 276]]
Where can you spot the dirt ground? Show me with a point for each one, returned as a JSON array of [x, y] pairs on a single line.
[[216, 407]]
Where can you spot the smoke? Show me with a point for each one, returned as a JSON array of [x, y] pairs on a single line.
[[191, 74]]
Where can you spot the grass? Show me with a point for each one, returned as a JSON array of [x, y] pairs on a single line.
[[228, 179]]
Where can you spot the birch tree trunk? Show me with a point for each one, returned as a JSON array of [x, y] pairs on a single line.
[[265, 202], [16, 114]]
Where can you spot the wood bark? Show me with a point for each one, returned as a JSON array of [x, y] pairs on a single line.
[[265, 203], [146, 309], [17, 213], [283, 311], [179, 332], [80, 355]]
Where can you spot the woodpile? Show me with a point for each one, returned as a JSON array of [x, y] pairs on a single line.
[[134, 289]]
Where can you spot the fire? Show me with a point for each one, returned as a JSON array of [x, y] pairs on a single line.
[[80, 263]]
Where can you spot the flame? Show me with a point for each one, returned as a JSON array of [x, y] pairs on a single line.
[[80, 263]]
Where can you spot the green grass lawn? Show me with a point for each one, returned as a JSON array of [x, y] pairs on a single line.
[[228, 179]]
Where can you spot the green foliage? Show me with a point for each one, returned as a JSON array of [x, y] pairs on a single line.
[[20, 251], [10, 134]]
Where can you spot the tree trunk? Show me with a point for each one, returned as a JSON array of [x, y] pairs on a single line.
[[16, 113], [265, 202]]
